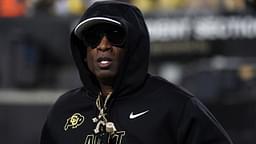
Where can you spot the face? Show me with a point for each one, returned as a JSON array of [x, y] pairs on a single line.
[[104, 58]]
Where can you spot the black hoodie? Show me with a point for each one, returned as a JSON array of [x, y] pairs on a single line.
[[145, 109]]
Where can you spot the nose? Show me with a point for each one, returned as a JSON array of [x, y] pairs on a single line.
[[104, 44]]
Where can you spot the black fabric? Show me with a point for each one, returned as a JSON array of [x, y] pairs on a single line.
[[145, 109]]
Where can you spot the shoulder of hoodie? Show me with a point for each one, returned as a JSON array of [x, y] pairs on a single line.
[[174, 97], [70, 99], [169, 91], [178, 100]]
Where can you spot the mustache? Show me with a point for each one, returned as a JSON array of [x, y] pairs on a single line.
[[104, 59]]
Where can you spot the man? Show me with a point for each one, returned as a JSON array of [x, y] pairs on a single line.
[[120, 103]]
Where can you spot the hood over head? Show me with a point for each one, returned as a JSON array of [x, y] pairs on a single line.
[[133, 70]]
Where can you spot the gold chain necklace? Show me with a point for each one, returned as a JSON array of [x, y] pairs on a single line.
[[103, 125]]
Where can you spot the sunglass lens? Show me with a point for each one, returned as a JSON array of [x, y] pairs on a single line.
[[116, 36], [92, 38]]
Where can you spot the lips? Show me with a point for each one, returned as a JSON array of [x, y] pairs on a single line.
[[104, 62]]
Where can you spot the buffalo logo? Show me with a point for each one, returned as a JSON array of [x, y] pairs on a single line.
[[74, 121]]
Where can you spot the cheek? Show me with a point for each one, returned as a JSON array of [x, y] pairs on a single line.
[[89, 60], [120, 53]]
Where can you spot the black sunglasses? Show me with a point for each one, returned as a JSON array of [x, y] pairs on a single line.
[[115, 34]]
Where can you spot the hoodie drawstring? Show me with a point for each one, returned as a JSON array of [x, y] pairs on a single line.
[[103, 125]]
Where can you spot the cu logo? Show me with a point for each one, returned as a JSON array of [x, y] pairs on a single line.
[[74, 121]]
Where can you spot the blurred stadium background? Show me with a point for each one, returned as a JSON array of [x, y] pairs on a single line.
[[207, 46]]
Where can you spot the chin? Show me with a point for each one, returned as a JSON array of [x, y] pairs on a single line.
[[105, 75]]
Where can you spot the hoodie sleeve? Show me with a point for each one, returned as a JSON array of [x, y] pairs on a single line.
[[46, 136], [198, 126]]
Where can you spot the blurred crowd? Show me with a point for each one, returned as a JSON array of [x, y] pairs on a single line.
[[14, 8]]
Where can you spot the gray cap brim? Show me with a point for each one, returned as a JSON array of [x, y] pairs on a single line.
[[87, 23]]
